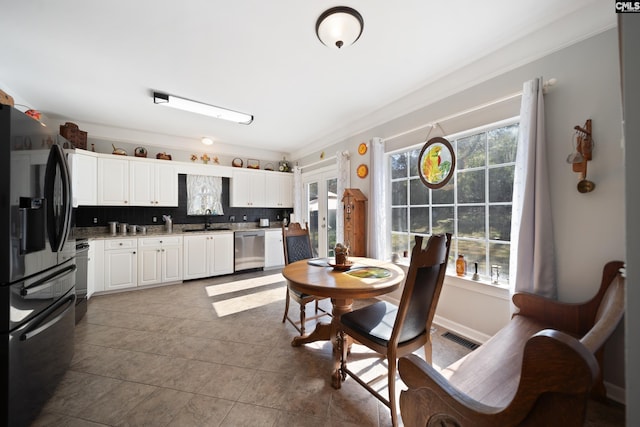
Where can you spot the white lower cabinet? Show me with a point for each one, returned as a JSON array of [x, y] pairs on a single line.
[[223, 254], [208, 255], [120, 264], [273, 249], [159, 260], [95, 267]]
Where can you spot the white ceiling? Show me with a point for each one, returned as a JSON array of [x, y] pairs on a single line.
[[96, 63]]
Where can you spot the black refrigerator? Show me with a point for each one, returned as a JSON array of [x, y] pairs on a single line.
[[37, 266]]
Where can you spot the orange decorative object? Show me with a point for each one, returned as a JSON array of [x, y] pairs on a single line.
[[34, 114], [362, 171], [362, 148]]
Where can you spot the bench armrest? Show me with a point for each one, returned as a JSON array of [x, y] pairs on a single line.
[[575, 319]]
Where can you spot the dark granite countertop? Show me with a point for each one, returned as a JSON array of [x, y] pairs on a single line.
[[178, 230]]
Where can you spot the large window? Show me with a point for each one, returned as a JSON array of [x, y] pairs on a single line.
[[474, 206]]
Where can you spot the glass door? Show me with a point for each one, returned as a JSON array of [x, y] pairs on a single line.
[[321, 202]]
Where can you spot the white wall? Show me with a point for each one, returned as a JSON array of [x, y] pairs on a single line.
[[589, 228], [630, 34]]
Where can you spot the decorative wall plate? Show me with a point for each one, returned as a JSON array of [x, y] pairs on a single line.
[[436, 163], [362, 171], [362, 148], [237, 163]]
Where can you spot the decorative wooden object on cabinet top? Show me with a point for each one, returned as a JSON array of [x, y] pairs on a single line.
[[355, 221]]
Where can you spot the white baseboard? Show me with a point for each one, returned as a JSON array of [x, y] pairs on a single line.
[[615, 393], [459, 329]]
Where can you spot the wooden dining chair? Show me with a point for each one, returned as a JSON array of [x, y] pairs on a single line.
[[297, 246], [394, 331]]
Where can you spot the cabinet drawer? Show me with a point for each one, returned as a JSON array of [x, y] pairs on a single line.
[[120, 244], [157, 241]]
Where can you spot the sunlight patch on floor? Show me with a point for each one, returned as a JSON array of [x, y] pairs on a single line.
[[248, 302], [241, 285]]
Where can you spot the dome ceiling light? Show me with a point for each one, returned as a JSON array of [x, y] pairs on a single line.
[[339, 26]]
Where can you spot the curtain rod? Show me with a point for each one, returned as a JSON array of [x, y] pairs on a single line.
[[326, 159], [433, 123]]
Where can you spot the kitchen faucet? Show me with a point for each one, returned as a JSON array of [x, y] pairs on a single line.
[[206, 219]]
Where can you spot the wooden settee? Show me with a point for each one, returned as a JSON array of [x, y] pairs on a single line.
[[539, 370]]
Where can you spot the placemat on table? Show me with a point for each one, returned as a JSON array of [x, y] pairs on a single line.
[[370, 272]]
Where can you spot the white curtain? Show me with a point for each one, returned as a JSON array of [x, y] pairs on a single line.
[[297, 195], [532, 263], [344, 181], [204, 195], [378, 230]]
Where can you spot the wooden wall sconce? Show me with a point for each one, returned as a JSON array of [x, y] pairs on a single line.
[[582, 154]]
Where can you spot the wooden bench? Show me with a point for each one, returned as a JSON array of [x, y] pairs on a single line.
[[538, 370]]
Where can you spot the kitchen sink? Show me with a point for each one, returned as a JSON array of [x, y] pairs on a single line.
[[192, 230]]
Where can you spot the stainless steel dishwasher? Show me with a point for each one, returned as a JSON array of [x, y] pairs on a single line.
[[249, 250]]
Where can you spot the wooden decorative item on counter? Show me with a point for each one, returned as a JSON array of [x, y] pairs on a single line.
[[118, 151], [6, 99], [140, 152], [355, 221], [74, 135], [163, 156]]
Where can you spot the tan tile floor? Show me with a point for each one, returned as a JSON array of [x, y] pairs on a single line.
[[209, 353]]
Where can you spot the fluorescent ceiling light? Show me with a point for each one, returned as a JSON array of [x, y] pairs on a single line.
[[200, 108]]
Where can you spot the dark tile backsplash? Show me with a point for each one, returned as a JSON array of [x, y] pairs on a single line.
[[84, 215]]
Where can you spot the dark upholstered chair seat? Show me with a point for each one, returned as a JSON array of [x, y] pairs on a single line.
[[376, 323]]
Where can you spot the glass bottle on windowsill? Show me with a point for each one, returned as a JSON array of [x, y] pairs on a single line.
[[461, 266]]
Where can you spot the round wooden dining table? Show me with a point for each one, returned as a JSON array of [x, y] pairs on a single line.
[[366, 278]]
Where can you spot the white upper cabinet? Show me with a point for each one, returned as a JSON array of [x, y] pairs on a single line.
[[153, 184], [279, 190], [113, 181], [84, 183], [261, 189], [125, 182], [166, 185], [248, 189], [131, 181]]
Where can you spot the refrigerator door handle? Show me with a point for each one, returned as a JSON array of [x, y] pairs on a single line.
[[47, 281], [23, 231], [32, 333], [58, 215]]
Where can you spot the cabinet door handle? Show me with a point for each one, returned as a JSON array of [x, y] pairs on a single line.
[[134, 252]]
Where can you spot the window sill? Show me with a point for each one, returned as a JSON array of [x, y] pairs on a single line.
[[481, 286]]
